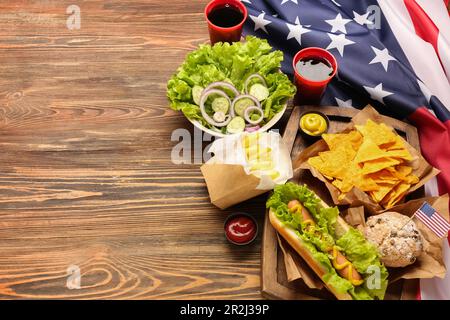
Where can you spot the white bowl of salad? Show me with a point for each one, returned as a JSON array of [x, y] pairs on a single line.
[[230, 88]]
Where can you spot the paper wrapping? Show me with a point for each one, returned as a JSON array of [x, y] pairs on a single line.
[[227, 174], [430, 264]]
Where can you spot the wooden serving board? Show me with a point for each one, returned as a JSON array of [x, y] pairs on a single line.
[[274, 284]]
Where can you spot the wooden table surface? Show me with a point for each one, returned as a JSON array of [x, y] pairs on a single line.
[[86, 177]]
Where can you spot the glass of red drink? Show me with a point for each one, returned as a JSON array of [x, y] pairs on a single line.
[[313, 69], [225, 20]]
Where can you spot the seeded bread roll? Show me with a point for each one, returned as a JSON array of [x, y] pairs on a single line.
[[398, 240]]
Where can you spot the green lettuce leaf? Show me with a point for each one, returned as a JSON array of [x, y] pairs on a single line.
[[232, 63], [325, 219], [330, 277], [363, 255], [353, 244]]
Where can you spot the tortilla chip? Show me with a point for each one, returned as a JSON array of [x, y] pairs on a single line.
[[383, 190], [349, 177], [378, 133], [372, 158], [333, 140], [343, 154], [334, 163], [411, 179], [398, 144], [404, 173], [403, 170], [378, 164], [369, 151], [333, 169], [395, 195], [384, 176], [400, 153], [347, 182], [354, 178], [365, 184]]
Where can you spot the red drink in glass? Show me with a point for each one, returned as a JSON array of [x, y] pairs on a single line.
[[313, 69], [225, 20]]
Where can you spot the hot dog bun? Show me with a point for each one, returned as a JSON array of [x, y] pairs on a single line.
[[291, 237]]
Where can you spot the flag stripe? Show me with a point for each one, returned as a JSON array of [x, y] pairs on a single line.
[[424, 26], [419, 53], [429, 222], [443, 221], [435, 225], [437, 153], [437, 232], [422, 217], [441, 225], [432, 220]]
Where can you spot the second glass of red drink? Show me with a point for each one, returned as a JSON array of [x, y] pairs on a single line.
[[313, 69]]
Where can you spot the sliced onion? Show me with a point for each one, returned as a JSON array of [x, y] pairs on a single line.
[[204, 96], [242, 96], [223, 84], [252, 129], [250, 77], [247, 114]]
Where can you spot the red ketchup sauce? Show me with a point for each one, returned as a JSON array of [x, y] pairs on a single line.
[[240, 229]]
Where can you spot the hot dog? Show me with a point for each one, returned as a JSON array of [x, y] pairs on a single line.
[[340, 262], [336, 252]]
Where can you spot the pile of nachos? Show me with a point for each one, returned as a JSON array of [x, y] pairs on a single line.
[[372, 158]]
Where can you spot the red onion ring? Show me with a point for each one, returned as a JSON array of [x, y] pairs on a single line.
[[204, 96], [247, 115], [255, 75], [242, 96], [252, 129], [223, 84]]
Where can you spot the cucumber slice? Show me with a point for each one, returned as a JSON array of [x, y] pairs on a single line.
[[196, 93], [236, 125], [220, 104], [259, 91], [241, 105], [255, 117]]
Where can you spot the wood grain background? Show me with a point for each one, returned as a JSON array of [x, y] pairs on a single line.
[[86, 177]]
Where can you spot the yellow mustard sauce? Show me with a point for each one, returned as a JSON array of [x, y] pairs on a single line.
[[309, 225], [313, 124], [344, 265]]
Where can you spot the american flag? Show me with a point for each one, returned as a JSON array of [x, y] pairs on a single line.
[[393, 54], [433, 220]]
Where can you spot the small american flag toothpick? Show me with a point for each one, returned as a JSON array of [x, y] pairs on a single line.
[[433, 220]]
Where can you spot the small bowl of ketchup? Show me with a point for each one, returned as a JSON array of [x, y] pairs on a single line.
[[240, 228]]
